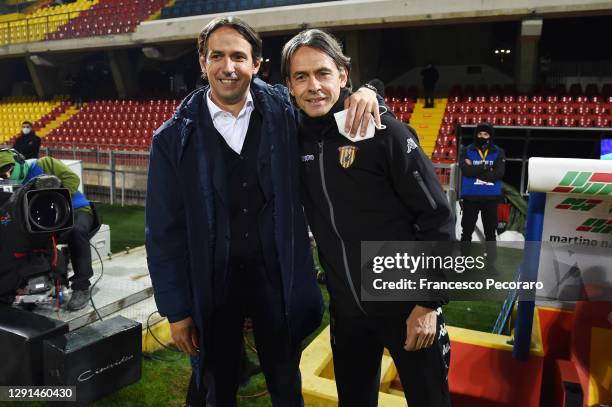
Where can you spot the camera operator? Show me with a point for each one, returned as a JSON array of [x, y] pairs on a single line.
[[14, 167]]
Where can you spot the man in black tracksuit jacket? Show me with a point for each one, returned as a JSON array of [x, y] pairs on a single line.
[[379, 189]]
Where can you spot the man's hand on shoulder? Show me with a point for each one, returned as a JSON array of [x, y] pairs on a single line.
[[185, 336], [361, 105]]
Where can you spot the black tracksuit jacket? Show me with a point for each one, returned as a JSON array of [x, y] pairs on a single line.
[[389, 192]]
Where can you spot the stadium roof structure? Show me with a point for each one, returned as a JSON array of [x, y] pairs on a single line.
[[346, 14]]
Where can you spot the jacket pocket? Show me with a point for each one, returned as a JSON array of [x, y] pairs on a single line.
[[428, 195]]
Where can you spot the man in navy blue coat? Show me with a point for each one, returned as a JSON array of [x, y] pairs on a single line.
[[225, 231]]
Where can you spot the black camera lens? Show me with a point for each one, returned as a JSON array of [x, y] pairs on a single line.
[[48, 210]]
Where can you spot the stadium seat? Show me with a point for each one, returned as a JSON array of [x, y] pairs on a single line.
[[15, 110], [585, 121], [108, 125]]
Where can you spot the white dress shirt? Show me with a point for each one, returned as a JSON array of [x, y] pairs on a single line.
[[232, 129]]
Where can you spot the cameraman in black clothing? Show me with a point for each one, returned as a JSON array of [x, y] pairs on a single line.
[[379, 189]]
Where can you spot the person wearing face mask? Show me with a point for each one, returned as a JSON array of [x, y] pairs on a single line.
[[28, 143], [14, 167], [482, 166]]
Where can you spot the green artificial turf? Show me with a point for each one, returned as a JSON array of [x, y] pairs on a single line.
[[126, 225], [164, 383]]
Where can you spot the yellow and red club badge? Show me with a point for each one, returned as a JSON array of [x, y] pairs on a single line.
[[347, 155]]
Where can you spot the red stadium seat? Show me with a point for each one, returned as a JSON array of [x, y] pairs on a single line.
[[569, 121], [567, 109], [552, 120], [522, 98], [585, 121], [602, 121], [521, 120], [552, 99]]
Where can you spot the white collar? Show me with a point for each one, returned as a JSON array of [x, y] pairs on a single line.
[[216, 110]]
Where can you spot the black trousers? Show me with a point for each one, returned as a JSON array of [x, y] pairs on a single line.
[[488, 210], [254, 293], [196, 396], [80, 254], [429, 97], [358, 343]]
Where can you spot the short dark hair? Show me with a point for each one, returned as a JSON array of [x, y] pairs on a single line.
[[247, 32], [317, 39], [26, 122]]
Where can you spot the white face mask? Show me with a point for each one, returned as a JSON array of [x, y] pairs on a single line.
[[341, 119], [26, 130]]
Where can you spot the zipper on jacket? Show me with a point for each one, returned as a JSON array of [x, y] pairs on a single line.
[[419, 180], [333, 222]]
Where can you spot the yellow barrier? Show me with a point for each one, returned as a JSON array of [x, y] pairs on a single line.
[[319, 387], [36, 26], [161, 330]]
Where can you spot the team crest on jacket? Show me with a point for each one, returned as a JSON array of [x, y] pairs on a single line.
[[347, 155]]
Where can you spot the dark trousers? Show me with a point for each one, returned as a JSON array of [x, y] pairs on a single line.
[[80, 254], [429, 97], [358, 343], [488, 210], [253, 292], [196, 396]]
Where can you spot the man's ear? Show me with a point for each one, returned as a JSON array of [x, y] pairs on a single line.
[[202, 61], [256, 66], [343, 77]]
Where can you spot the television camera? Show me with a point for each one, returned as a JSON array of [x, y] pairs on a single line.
[[32, 219]]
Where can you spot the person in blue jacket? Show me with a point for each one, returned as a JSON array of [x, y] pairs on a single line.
[[15, 167], [482, 166], [225, 230]]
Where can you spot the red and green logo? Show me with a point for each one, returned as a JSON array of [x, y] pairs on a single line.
[[578, 204], [595, 225], [590, 183]]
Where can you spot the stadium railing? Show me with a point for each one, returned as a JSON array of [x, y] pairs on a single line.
[[103, 18]]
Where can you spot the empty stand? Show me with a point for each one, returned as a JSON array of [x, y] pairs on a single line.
[[108, 17], [36, 26], [82, 18], [503, 106], [112, 125], [15, 110]]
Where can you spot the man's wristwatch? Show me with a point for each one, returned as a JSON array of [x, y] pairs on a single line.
[[372, 88]]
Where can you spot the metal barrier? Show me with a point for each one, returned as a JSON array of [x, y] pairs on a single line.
[[448, 175], [120, 177], [115, 177]]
